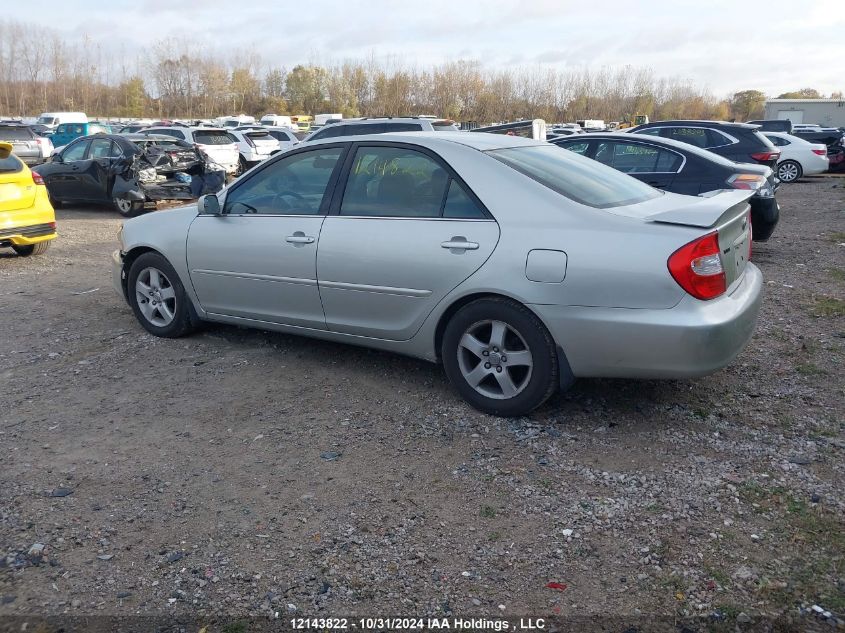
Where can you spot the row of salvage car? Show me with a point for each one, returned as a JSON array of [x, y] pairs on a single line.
[[134, 171]]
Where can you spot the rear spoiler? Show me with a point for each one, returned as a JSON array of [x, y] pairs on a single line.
[[5, 149], [705, 210]]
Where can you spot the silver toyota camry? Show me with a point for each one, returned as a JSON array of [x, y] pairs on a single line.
[[518, 265]]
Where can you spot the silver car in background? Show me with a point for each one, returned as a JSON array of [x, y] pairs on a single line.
[[518, 265]]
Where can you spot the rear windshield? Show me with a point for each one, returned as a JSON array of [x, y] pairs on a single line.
[[444, 126], [260, 135], [15, 134], [46, 120], [213, 137], [580, 179], [10, 164]]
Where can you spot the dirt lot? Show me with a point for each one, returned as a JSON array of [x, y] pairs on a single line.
[[244, 473]]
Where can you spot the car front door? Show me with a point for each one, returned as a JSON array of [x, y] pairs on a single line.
[[653, 165], [257, 260], [63, 178], [95, 172], [403, 231]]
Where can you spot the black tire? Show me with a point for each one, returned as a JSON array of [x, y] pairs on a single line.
[[127, 208], [185, 319], [32, 249], [790, 169], [242, 166], [537, 385]]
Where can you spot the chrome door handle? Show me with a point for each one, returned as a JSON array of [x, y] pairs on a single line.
[[299, 238], [459, 243]]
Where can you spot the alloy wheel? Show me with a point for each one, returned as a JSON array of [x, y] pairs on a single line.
[[155, 296], [494, 359], [788, 172]]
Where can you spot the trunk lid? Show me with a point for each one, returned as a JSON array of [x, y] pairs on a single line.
[[728, 213]]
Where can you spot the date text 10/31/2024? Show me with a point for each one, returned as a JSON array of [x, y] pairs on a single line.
[[411, 624]]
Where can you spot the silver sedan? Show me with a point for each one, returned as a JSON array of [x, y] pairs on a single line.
[[518, 265]]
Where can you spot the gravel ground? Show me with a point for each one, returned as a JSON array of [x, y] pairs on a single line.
[[240, 473]]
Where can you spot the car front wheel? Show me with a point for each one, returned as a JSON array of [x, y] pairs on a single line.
[[500, 357], [127, 208], [158, 297], [789, 171]]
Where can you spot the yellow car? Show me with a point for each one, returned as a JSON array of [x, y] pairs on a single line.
[[27, 219]]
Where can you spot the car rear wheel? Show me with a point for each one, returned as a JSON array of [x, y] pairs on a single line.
[[127, 208], [31, 249], [158, 297], [500, 357], [789, 171]]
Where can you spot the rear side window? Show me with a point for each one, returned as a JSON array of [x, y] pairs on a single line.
[[460, 205], [10, 164], [585, 181], [401, 127], [445, 126], [212, 137], [15, 133], [394, 182], [691, 135], [777, 141], [634, 158]]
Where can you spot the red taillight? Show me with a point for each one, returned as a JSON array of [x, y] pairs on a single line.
[[36, 178], [697, 267], [766, 156], [820, 152]]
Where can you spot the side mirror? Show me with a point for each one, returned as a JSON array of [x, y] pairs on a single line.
[[57, 158], [209, 205]]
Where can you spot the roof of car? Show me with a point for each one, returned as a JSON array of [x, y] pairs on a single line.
[[693, 123], [147, 137], [481, 141]]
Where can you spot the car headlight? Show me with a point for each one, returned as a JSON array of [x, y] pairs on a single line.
[[120, 237]]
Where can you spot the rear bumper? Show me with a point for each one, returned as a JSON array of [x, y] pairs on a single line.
[[765, 213], [29, 225], [695, 338]]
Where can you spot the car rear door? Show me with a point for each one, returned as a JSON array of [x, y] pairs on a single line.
[[653, 165], [95, 173], [258, 260], [403, 231]]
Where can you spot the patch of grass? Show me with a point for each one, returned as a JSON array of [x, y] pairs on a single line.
[[718, 575], [837, 237], [809, 369], [837, 273], [487, 512], [730, 611], [700, 412], [828, 307], [494, 536], [235, 627], [654, 508]]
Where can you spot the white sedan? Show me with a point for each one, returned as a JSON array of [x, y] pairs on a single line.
[[798, 157]]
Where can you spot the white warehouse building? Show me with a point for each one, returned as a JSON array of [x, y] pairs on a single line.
[[825, 112]]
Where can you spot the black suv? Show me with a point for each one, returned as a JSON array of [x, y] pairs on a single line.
[[739, 142], [773, 125]]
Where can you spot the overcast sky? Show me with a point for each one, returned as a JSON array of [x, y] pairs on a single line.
[[721, 45]]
